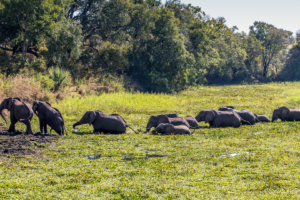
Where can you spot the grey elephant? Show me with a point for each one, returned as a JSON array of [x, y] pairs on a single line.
[[220, 118], [50, 116], [192, 122], [114, 123], [155, 120], [19, 112], [286, 114], [190, 119], [263, 118], [245, 114], [166, 128], [202, 115]]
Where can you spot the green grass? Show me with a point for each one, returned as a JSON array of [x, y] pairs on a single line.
[[250, 162]]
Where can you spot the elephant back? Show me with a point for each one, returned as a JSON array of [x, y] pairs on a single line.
[[176, 121]]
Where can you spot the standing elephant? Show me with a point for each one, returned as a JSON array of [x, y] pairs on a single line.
[[221, 118], [262, 118], [245, 114], [19, 112], [155, 120], [286, 114], [101, 122], [166, 128], [49, 116]]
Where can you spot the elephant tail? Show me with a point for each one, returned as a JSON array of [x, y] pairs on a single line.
[[132, 129], [245, 122]]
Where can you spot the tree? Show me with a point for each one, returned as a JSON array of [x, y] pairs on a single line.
[[273, 41]]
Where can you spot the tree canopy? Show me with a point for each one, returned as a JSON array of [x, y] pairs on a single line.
[[163, 47]]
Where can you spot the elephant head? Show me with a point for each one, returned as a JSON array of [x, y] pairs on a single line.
[[88, 118], [36, 104], [155, 120], [7, 104], [201, 116], [165, 128], [281, 113]]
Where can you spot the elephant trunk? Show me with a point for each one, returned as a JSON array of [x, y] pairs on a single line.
[[1, 113], [77, 124], [274, 117]]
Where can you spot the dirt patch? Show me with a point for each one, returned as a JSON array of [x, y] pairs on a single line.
[[23, 144]]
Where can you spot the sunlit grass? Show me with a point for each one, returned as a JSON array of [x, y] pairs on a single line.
[[250, 162]]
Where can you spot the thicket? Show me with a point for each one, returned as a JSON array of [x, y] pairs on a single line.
[[143, 44]]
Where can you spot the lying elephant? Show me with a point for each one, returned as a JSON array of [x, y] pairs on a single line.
[[190, 119], [155, 120], [262, 118], [50, 116], [245, 114], [220, 118], [101, 122], [19, 112], [166, 128], [286, 114]]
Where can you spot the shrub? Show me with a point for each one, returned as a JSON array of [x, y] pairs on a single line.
[[60, 77]]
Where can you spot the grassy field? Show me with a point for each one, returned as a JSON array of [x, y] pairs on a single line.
[[250, 162]]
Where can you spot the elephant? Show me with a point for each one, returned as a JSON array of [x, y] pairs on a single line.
[[262, 118], [167, 128], [192, 121], [101, 122], [201, 116], [245, 114], [286, 114], [19, 112], [50, 116], [218, 118], [155, 120]]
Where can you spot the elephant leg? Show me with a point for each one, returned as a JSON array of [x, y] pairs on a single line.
[[12, 125], [41, 125], [28, 129], [45, 128]]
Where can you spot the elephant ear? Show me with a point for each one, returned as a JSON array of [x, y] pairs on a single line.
[[92, 117], [210, 116], [35, 107], [10, 103], [284, 111]]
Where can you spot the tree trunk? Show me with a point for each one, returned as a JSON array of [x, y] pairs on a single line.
[[265, 72]]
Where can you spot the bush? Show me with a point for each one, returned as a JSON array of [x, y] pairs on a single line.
[[60, 77]]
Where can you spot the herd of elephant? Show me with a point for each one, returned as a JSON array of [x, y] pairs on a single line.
[[225, 116]]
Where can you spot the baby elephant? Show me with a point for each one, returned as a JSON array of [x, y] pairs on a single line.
[[166, 128], [101, 122], [49, 116], [155, 120], [262, 118]]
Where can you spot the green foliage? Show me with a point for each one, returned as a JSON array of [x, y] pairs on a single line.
[[164, 47], [60, 77], [291, 70], [250, 162]]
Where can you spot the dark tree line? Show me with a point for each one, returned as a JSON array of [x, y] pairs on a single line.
[[165, 47]]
